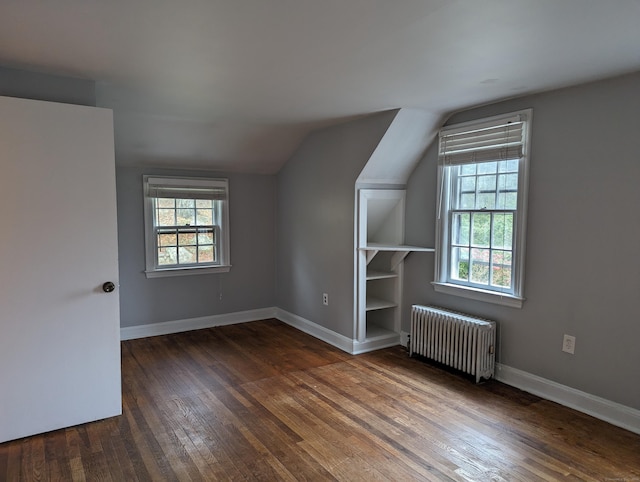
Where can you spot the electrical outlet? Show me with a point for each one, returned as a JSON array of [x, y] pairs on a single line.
[[569, 344], [325, 299]]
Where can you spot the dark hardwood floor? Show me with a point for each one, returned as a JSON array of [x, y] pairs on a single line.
[[263, 401]]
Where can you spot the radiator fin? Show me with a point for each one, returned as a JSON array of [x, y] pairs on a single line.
[[454, 339]]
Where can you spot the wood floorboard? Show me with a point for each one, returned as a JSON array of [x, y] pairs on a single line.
[[263, 401]]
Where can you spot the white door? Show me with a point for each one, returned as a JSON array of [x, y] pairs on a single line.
[[59, 331]]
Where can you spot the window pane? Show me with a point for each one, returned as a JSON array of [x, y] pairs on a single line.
[[165, 203], [508, 166], [480, 229], [185, 239], [502, 268], [167, 256], [486, 183], [165, 217], [487, 167], [205, 238], [502, 231], [486, 201], [204, 203], [468, 169], [480, 266], [185, 203], [460, 264], [187, 254], [461, 228], [185, 217], [467, 201], [205, 216], [205, 254], [468, 183], [167, 239], [501, 258], [501, 201], [508, 182], [508, 200]]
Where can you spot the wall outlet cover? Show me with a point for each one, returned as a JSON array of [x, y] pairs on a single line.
[[569, 344]]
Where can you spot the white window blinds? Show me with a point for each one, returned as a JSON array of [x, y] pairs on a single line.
[[175, 188], [498, 139]]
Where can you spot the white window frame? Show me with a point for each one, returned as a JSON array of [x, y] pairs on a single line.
[[223, 265], [443, 282]]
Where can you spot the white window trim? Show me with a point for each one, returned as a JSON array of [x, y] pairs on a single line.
[[477, 294], [441, 283], [152, 270]]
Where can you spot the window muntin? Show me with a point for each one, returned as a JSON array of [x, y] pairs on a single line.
[[186, 223], [482, 208], [186, 232], [482, 214]]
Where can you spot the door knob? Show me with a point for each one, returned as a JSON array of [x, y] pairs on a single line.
[[108, 287]]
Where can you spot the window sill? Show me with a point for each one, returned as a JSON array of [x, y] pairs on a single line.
[[479, 295], [162, 273]]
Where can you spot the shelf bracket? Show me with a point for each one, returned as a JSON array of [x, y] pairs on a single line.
[[397, 258], [370, 254]]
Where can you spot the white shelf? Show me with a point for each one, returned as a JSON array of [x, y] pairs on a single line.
[[378, 304], [372, 275], [380, 262], [395, 247], [378, 332], [400, 251]]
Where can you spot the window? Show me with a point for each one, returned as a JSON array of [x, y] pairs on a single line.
[[186, 226], [483, 178]]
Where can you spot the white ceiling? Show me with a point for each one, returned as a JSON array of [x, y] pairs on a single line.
[[237, 84]]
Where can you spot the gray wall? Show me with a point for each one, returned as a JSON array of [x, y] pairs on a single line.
[[315, 248], [582, 263], [53, 88], [250, 283]]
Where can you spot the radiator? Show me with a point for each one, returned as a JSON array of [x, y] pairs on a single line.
[[454, 339]]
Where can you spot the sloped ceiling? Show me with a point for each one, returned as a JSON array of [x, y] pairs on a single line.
[[237, 84]]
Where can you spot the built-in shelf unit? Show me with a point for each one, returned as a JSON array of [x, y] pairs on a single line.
[[381, 254]]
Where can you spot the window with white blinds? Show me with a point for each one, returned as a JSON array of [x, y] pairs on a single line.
[[186, 225], [482, 208]]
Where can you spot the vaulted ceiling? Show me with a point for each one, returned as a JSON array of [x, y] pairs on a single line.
[[237, 84]]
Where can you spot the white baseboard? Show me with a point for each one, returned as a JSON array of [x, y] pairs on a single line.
[[341, 342], [318, 331], [374, 344], [404, 338], [177, 326], [612, 412]]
